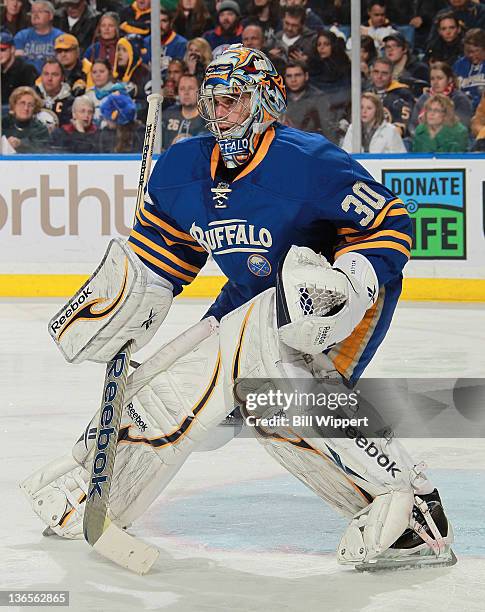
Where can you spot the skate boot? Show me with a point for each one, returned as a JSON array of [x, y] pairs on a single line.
[[427, 541]]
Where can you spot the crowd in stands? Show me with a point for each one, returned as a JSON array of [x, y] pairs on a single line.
[[75, 74]]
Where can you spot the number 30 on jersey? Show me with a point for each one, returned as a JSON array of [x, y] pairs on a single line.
[[365, 202]]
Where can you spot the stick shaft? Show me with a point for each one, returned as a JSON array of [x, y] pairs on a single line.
[[153, 120], [96, 522], [96, 512]]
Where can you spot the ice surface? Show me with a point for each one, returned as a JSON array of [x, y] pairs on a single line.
[[236, 532]]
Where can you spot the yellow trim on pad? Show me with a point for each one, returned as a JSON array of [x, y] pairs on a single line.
[[65, 285]]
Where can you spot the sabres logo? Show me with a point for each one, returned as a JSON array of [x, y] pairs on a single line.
[[259, 265]]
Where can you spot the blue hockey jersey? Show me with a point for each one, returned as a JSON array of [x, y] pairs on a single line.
[[298, 189]]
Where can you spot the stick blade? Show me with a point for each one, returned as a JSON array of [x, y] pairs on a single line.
[[125, 550]]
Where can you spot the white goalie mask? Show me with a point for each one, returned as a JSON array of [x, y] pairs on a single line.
[[240, 97]]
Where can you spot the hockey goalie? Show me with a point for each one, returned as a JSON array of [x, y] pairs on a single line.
[[313, 249]]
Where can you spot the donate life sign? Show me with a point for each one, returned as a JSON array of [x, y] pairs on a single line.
[[435, 201]]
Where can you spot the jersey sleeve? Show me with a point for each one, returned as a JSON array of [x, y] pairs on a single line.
[[164, 247], [372, 221]]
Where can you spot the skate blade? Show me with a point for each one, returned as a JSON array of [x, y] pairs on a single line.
[[417, 562]]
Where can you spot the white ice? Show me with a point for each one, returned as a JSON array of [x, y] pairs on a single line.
[[236, 532]]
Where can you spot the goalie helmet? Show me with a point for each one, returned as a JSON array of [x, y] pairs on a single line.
[[254, 97]]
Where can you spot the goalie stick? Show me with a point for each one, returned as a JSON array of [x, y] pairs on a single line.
[[104, 536]]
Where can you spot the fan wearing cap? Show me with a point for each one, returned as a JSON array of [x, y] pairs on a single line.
[[78, 18], [228, 30], [77, 71], [123, 133], [406, 67], [15, 70], [36, 43]]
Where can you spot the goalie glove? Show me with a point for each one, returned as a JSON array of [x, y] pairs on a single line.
[[318, 304], [122, 300]]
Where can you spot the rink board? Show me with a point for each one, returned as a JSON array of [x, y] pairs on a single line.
[[57, 214]]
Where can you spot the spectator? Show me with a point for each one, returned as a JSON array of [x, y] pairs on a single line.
[[295, 42], [54, 91], [183, 121], [378, 135], [423, 17], [103, 86], [24, 132], [443, 81], [368, 54], [192, 18], [130, 70], [15, 70], [13, 16], [329, 65], [266, 15], [198, 56], [36, 43], [405, 66], [470, 69], [122, 132], [468, 12], [312, 19], [76, 70], [307, 109], [105, 38], [396, 97], [135, 19], [440, 132], [378, 25], [253, 37], [175, 70], [478, 126], [172, 44], [447, 44], [80, 135], [79, 19], [228, 29]]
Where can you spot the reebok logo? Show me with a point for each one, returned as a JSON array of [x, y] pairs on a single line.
[[136, 418], [372, 450], [104, 446], [71, 309]]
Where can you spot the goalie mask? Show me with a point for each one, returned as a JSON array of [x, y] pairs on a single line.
[[240, 97]]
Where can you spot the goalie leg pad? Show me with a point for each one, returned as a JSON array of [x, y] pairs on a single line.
[[369, 478], [174, 400]]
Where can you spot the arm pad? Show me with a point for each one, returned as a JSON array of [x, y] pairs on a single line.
[[122, 300]]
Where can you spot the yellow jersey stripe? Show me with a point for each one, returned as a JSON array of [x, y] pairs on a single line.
[[383, 244], [159, 264], [393, 233], [155, 247], [164, 225]]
